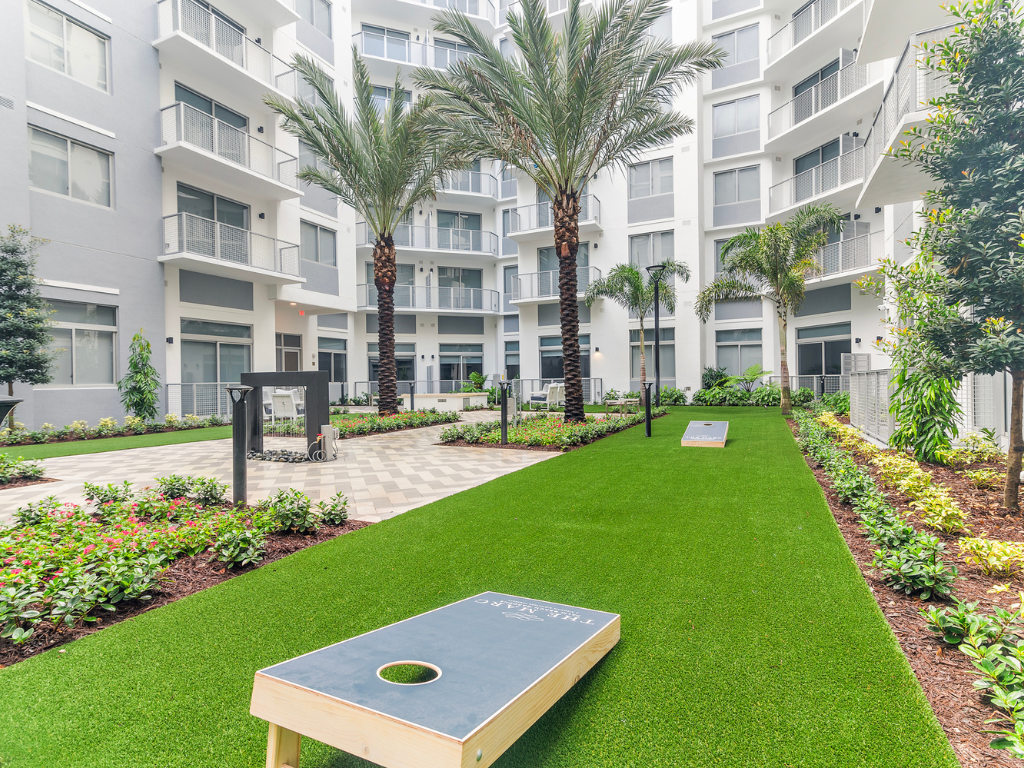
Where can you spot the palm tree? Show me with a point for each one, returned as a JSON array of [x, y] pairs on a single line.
[[627, 287], [381, 161], [772, 263], [566, 106]]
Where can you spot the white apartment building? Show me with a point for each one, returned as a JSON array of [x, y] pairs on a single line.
[[188, 220]]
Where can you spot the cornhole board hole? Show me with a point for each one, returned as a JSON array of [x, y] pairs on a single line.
[[498, 663], [706, 434]]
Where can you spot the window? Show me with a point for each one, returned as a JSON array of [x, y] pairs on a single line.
[[551, 357], [738, 349], [332, 357], [317, 243], [382, 97], [210, 107], [214, 352], [84, 344], [446, 52], [460, 360], [662, 27], [808, 83], [667, 352], [733, 117], [547, 261], [816, 157], [289, 351], [385, 43], [738, 186], [511, 360], [820, 349], [317, 13], [66, 167], [648, 179], [739, 46], [60, 43], [719, 265], [405, 361], [654, 248], [306, 92]]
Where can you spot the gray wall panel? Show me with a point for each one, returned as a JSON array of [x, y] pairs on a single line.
[[214, 291], [403, 323], [742, 309], [315, 40], [511, 324], [736, 213], [737, 73], [318, 199], [460, 325], [339, 321], [650, 208], [720, 8], [736, 144], [835, 298], [322, 278]]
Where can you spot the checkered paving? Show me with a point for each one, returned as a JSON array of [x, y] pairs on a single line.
[[382, 475]]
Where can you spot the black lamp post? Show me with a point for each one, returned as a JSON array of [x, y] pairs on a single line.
[[655, 270], [239, 442]]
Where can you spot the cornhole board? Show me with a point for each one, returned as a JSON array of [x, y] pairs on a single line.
[[706, 434], [503, 662]]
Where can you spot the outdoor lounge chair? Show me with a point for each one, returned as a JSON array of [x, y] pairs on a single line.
[[547, 398]]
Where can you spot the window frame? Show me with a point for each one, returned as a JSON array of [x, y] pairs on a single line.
[[649, 345], [735, 104], [739, 343], [313, 21], [76, 326], [733, 33], [650, 178], [736, 175], [69, 142], [320, 229], [64, 45]]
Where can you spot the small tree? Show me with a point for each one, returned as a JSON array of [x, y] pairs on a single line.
[[140, 387], [632, 288], [24, 314], [973, 147]]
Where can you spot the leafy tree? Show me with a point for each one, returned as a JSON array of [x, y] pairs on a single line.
[[24, 314], [772, 263], [973, 148], [632, 288], [569, 104], [381, 161], [749, 379], [140, 386]]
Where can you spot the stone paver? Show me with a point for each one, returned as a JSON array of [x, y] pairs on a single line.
[[382, 475]]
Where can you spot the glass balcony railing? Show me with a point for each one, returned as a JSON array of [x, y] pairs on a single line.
[[472, 182], [435, 238], [526, 218], [389, 48], [432, 297], [191, 234], [540, 285]]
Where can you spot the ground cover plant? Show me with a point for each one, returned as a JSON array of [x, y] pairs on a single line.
[[725, 564], [545, 431], [17, 471], [62, 565], [359, 424], [79, 447], [108, 427]]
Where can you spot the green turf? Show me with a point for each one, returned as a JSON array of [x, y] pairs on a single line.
[[103, 444], [749, 637]]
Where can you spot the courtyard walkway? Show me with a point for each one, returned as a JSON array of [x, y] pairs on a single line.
[[382, 475]]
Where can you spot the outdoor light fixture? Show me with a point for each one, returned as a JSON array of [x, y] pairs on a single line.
[[239, 441], [597, 349], [655, 271], [292, 303]]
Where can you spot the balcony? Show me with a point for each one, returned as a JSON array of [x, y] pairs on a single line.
[[887, 25], [509, 188], [419, 13], [199, 43], [382, 54], [830, 24], [530, 222], [835, 181], [470, 186], [554, 7], [211, 247], [534, 286], [416, 238], [431, 298], [826, 109], [904, 106], [854, 254], [210, 147], [278, 12]]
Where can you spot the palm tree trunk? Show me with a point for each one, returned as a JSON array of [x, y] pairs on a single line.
[[643, 360], [566, 209], [385, 274], [787, 402], [1011, 491]]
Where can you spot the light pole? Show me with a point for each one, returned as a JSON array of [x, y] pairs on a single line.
[[239, 442], [655, 271]]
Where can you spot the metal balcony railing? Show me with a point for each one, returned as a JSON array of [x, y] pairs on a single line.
[[853, 253], [433, 298], [820, 180], [183, 122], [196, 21], [471, 181], [829, 91], [910, 90], [509, 188], [435, 238], [803, 25], [188, 233], [539, 285], [540, 215], [417, 54]]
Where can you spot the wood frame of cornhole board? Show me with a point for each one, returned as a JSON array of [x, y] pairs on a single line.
[[502, 660], [706, 434]]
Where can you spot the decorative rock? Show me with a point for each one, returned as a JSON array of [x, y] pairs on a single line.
[[291, 457]]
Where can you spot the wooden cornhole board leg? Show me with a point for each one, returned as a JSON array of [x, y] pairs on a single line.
[[282, 748]]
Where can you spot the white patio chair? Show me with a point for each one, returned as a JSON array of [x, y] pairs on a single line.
[[284, 406]]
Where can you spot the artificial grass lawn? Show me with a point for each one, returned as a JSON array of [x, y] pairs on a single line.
[[103, 444], [749, 637]]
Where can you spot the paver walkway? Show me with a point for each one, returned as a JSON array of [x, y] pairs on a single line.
[[382, 475]]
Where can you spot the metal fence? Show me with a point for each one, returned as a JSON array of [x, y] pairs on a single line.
[[830, 175], [396, 49], [828, 384], [537, 285], [829, 91], [187, 233], [593, 389], [869, 404], [522, 389], [433, 298], [853, 253], [200, 399]]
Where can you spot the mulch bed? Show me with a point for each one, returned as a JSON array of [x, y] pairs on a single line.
[[945, 674], [185, 576], [21, 482]]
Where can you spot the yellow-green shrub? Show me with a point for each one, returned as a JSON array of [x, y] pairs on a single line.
[[993, 557], [985, 479], [938, 510]]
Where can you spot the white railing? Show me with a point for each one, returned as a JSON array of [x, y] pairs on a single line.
[[909, 91], [869, 404], [509, 188], [539, 285], [803, 25], [433, 298], [470, 181], [379, 46], [206, 398], [435, 238], [183, 122], [541, 215], [826, 384], [209, 30], [188, 233], [853, 253], [829, 91], [820, 180], [593, 389]]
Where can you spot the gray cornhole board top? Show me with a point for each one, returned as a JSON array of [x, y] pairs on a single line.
[[489, 648], [710, 433]]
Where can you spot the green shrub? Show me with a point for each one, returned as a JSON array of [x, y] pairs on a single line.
[[673, 396], [290, 510], [837, 402], [237, 545], [802, 396], [174, 486], [985, 479], [712, 377], [207, 491], [769, 395], [109, 493], [917, 569], [12, 469], [334, 511]]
